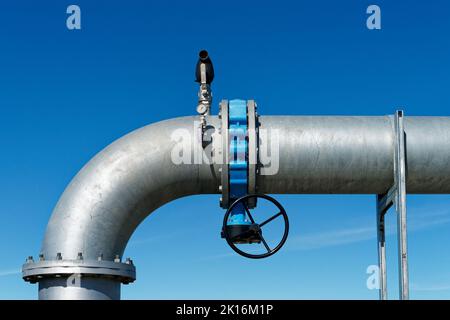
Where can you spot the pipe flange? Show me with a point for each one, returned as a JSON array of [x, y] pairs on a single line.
[[253, 136], [35, 271], [225, 199]]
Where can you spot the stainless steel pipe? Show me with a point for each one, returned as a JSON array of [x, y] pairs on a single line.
[[123, 184]]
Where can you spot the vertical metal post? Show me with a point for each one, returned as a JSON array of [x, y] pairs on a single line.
[[381, 249], [396, 194], [400, 203]]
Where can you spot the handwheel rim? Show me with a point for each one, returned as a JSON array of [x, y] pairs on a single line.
[[282, 212]]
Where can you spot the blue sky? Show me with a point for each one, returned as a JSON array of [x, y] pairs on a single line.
[[64, 95]]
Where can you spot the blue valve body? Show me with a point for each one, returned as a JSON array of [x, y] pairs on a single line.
[[238, 162]]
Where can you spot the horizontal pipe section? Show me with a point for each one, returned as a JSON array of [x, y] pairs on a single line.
[[355, 155]]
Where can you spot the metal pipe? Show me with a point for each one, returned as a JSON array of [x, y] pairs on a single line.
[[104, 204], [123, 184], [119, 187], [355, 155]]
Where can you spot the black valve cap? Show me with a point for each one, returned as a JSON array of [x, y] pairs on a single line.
[[203, 57]]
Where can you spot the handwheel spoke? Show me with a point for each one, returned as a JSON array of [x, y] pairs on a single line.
[[249, 214], [270, 219], [264, 242]]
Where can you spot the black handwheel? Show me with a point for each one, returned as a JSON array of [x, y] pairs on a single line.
[[256, 227]]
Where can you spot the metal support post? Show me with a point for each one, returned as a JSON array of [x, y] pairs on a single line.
[[396, 194]]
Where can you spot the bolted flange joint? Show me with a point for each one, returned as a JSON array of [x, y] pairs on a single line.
[[35, 271]]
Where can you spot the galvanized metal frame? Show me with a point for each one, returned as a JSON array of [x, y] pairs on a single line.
[[395, 195]]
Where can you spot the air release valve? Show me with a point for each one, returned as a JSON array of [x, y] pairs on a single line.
[[204, 75]]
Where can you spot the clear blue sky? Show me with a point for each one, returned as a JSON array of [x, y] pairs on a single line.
[[64, 95]]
